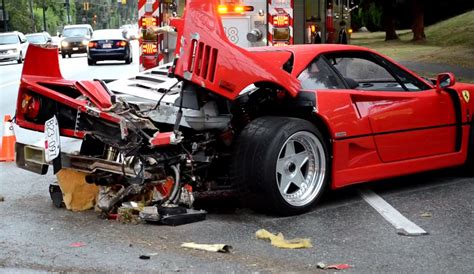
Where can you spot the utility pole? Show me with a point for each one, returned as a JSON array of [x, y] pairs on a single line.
[[32, 15], [68, 8], [4, 15], [44, 16]]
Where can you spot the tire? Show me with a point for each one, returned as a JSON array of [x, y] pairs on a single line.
[[266, 159], [69, 55], [20, 58], [128, 60], [90, 62], [63, 55]]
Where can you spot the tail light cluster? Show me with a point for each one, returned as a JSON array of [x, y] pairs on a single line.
[[30, 105], [121, 44], [118, 44]]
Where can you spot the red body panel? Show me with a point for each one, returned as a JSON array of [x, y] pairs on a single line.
[[209, 60], [42, 67]]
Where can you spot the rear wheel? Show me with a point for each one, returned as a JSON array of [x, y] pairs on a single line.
[[90, 62], [63, 55], [69, 55], [128, 60], [281, 165]]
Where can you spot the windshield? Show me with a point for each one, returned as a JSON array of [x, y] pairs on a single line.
[[36, 39], [75, 32], [108, 34], [9, 39]]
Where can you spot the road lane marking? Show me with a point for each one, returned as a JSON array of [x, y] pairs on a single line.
[[9, 84], [401, 223]]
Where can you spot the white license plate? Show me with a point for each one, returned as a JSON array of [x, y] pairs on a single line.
[[52, 146], [107, 46], [75, 48]]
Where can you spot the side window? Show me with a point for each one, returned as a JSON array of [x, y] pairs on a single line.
[[366, 73], [319, 75], [411, 83]]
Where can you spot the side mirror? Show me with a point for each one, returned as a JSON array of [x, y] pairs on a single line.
[[445, 80]]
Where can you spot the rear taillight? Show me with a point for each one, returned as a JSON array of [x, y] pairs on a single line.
[[121, 44], [30, 105], [92, 44]]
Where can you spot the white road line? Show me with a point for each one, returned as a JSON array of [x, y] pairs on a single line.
[[400, 222], [9, 84]]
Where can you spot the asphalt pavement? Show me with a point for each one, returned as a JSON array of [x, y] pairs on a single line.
[[35, 236]]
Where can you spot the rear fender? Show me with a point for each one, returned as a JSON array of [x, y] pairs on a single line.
[[209, 60], [41, 75]]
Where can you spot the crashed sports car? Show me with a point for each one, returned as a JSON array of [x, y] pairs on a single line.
[[276, 125]]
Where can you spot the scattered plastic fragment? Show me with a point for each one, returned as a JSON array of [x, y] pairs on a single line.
[[144, 257], [78, 244], [279, 240], [426, 215], [322, 265], [338, 266], [147, 256], [223, 248]]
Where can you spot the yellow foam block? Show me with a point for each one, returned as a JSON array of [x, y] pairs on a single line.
[[78, 195]]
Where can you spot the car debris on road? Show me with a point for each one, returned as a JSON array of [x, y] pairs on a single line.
[[2, 199], [280, 241], [222, 248], [322, 265]]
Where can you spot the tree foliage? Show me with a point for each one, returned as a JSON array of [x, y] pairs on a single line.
[[22, 20]]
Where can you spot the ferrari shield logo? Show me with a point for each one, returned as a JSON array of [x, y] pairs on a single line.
[[466, 95]]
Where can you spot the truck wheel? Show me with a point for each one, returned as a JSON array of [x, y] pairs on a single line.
[[281, 165]]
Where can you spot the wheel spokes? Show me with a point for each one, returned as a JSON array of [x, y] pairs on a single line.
[[285, 183]]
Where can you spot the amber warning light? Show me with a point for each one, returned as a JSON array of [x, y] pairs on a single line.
[[149, 48], [233, 9], [281, 20], [148, 22]]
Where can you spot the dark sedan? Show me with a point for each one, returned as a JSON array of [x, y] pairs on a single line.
[[109, 44]]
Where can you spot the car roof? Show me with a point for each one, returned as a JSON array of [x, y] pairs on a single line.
[[78, 26], [10, 33], [304, 54], [37, 33]]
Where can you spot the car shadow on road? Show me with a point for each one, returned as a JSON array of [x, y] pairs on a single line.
[[230, 205], [9, 63]]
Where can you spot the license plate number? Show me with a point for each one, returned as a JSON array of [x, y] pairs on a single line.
[[75, 48], [107, 46], [52, 145]]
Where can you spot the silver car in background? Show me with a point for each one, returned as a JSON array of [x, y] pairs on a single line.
[[13, 46]]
